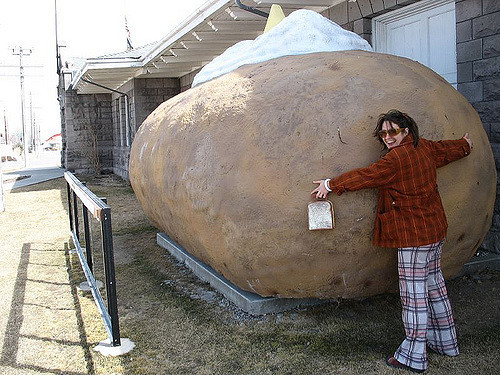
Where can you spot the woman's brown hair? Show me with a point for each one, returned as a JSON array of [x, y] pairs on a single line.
[[402, 120]]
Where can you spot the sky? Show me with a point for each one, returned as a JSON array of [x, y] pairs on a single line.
[[87, 28]]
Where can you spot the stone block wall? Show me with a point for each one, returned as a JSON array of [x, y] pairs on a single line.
[[149, 93], [478, 63], [144, 96], [87, 118], [357, 16], [187, 80]]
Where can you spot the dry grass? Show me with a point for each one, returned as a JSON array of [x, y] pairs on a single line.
[[180, 325]]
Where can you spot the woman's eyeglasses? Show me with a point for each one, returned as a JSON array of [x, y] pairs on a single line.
[[392, 132]]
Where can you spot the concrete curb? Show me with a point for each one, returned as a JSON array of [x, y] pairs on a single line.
[[480, 263], [249, 302], [257, 305]]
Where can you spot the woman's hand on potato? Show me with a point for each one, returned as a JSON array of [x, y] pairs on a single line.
[[469, 141], [320, 190]]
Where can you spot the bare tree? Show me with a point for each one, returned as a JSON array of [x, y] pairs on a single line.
[[90, 149]]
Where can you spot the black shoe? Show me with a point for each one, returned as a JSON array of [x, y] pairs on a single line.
[[393, 362], [429, 349]]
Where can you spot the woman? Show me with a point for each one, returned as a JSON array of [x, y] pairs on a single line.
[[410, 217]]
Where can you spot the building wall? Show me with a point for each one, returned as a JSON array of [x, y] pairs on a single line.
[[187, 80], [478, 73], [151, 92], [86, 132], [357, 16], [144, 96]]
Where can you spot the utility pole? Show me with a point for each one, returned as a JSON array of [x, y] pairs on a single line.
[[5, 124], [32, 127], [58, 56], [22, 52], [2, 194], [36, 128], [2, 199]]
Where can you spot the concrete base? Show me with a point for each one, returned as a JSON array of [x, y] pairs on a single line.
[[249, 302], [85, 286], [105, 347], [480, 263]]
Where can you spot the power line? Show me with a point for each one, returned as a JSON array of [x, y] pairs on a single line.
[[26, 66]]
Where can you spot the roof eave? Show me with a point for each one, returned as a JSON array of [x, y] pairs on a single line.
[[196, 18], [88, 67]]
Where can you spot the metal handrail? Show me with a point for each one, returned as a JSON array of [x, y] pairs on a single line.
[[102, 212]]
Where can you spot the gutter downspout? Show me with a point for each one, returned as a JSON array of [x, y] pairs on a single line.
[[252, 10], [127, 112]]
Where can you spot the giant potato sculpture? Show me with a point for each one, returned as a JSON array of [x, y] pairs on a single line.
[[226, 168]]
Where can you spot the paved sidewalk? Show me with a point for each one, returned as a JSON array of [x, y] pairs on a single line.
[[40, 168], [30, 176]]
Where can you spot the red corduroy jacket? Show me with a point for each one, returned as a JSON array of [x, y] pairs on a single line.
[[410, 211]]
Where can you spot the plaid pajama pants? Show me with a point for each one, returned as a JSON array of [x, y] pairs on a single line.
[[427, 315]]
